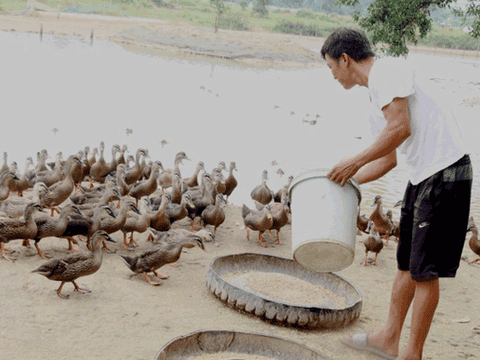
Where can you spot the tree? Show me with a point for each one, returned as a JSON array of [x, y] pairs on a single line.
[[260, 7], [221, 9], [396, 23]]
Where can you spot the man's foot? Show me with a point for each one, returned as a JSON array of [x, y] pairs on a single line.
[[359, 341]]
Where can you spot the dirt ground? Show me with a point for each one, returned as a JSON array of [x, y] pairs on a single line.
[[125, 318]]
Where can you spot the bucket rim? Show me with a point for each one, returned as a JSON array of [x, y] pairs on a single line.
[[322, 172]]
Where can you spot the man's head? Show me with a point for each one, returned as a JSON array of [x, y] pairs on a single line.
[[343, 49], [352, 42]]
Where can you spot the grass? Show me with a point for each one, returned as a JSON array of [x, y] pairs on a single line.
[[201, 13]]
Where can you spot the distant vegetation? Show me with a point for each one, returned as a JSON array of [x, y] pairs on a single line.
[[302, 17]]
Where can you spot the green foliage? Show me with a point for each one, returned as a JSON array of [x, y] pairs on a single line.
[[395, 23], [260, 7], [306, 14], [301, 28], [244, 4], [234, 21]]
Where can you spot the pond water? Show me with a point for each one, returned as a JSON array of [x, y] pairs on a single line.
[[288, 120]]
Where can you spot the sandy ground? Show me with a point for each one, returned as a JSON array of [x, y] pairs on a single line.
[[125, 318]]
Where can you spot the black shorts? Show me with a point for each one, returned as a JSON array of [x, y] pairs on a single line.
[[433, 222]]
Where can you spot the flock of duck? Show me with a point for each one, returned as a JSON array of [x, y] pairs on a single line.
[[85, 197], [380, 226]]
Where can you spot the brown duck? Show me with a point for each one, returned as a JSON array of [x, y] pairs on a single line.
[[262, 192], [48, 226], [230, 182], [73, 266], [474, 243], [164, 253], [214, 214], [373, 243], [257, 220], [12, 229]]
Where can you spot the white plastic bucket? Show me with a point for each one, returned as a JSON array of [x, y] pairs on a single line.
[[324, 221]]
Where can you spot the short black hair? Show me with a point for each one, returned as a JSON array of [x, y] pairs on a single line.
[[350, 41]]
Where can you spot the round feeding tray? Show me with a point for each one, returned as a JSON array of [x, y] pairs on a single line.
[[233, 345], [280, 290]]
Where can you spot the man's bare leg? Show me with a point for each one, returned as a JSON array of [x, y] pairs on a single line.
[[403, 291], [427, 295]]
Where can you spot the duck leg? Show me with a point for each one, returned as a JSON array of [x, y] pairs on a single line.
[[248, 234], [26, 243], [154, 283], [70, 245], [126, 246], [79, 289], [474, 261], [59, 291], [374, 261], [163, 277], [364, 262], [278, 237], [107, 249], [260, 239], [132, 242], [40, 252], [4, 251]]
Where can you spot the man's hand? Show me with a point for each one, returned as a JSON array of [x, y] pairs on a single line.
[[343, 171]]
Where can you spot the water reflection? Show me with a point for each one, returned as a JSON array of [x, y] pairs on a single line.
[[278, 120]]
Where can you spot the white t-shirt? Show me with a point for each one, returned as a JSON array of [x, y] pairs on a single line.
[[435, 141]]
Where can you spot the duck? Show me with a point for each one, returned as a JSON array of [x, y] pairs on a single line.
[[136, 172], [112, 165], [112, 225], [50, 177], [93, 157], [214, 214], [201, 197], [257, 220], [373, 243], [6, 180], [146, 187], [23, 183], [165, 179], [160, 220], [218, 181], [192, 181], [277, 197], [121, 158], [84, 225], [5, 166], [177, 212], [280, 215], [48, 226], [73, 266], [136, 223], [26, 228], [262, 192], [100, 168], [15, 207], [395, 230], [230, 182], [473, 242], [362, 223], [381, 222], [120, 179], [60, 192], [176, 190], [164, 253]]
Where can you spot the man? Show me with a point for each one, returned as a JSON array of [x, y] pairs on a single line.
[[407, 117]]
